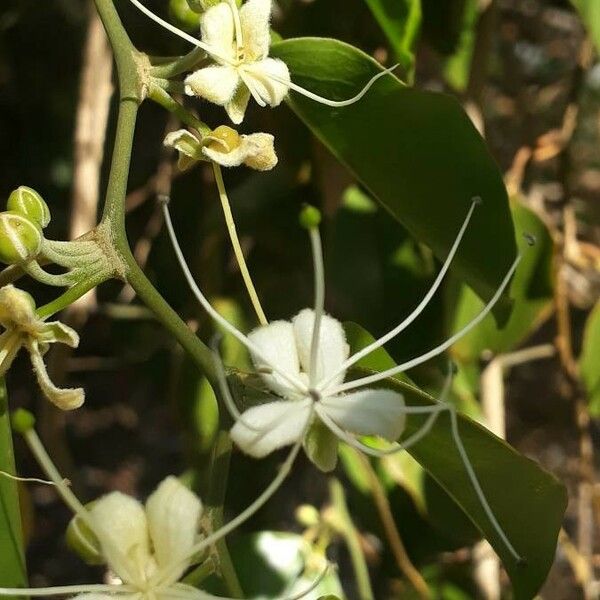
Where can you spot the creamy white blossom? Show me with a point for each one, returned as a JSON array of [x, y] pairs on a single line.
[[304, 363], [224, 146], [238, 42], [24, 329]]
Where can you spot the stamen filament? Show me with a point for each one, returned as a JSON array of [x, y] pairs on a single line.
[[239, 41], [68, 589], [237, 248], [245, 514], [319, 269], [438, 349], [178, 32], [295, 382], [326, 101], [413, 315], [27, 479]]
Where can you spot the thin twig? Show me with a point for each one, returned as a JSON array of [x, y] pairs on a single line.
[[391, 531]]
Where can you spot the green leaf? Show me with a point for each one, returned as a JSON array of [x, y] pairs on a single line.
[[416, 152], [528, 502], [401, 23], [589, 10], [531, 290], [12, 559], [457, 68], [589, 360]]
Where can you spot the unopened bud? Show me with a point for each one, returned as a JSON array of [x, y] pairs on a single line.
[[307, 515], [20, 238], [183, 15], [29, 203], [223, 139]]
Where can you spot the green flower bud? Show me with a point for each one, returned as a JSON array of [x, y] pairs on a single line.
[[22, 420], [82, 540], [308, 515], [28, 202], [20, 238], [183, 16], [310, 216]]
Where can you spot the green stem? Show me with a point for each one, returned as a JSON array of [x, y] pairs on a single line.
[[343, 524], [179, 65], [13, 572], [162, 97]]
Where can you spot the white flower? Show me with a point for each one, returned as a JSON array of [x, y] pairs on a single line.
[[24, 329], [238, 41], [225, 147], [287, 346]]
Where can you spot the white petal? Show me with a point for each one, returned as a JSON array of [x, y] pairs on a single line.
[[277, 344], [233, 158], [254, 17], [236, 107], [332, 346], [269, 78], [256, 151], [173, 513], [367, 412], [121, 527], [217, 29], [216, 84], [267, 427]]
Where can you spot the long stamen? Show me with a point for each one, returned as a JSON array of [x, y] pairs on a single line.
[[68, 589], [27, 479], [237, 248], [239, 40], [245, 514], [326, 101], [224, 323], [477, 486], [188, 38], [317, 254], [248, 83], [438, 349], [414, 314]]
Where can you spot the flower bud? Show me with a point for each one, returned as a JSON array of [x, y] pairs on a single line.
[[182, 15], [308, 515], [223, 139], [310, 216], [29, 203], [20, 238]]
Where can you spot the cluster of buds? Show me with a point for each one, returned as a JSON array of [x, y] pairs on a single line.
[[21, 235]]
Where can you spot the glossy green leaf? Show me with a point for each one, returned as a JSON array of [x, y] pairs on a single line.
[[401, 23], [528, 501], [417, 152], [531, 290], [589, 11], [12, 559], [589, 361]]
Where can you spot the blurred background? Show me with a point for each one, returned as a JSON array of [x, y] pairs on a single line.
[[526, 72]]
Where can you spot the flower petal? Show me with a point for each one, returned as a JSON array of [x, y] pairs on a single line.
[[216, 84], [10, 344], [260, 151], [55, 331], [254, 17], [367, 412], [187, 145], [269, 78], [236, 107], [16, 307], [217, 29], [265, 428], [119, 521], [277, 344], [63, 398], [173, 513], [332, 347]]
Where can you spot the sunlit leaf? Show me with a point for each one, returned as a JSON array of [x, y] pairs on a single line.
[[416, 152], [527, 501], [590, 15]]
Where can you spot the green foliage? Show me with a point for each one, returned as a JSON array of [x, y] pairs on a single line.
[[531, 291], [589, 360], [590, 15], [416, 152], [401, 23], [458, 66], [527, 501], [12, 558]]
